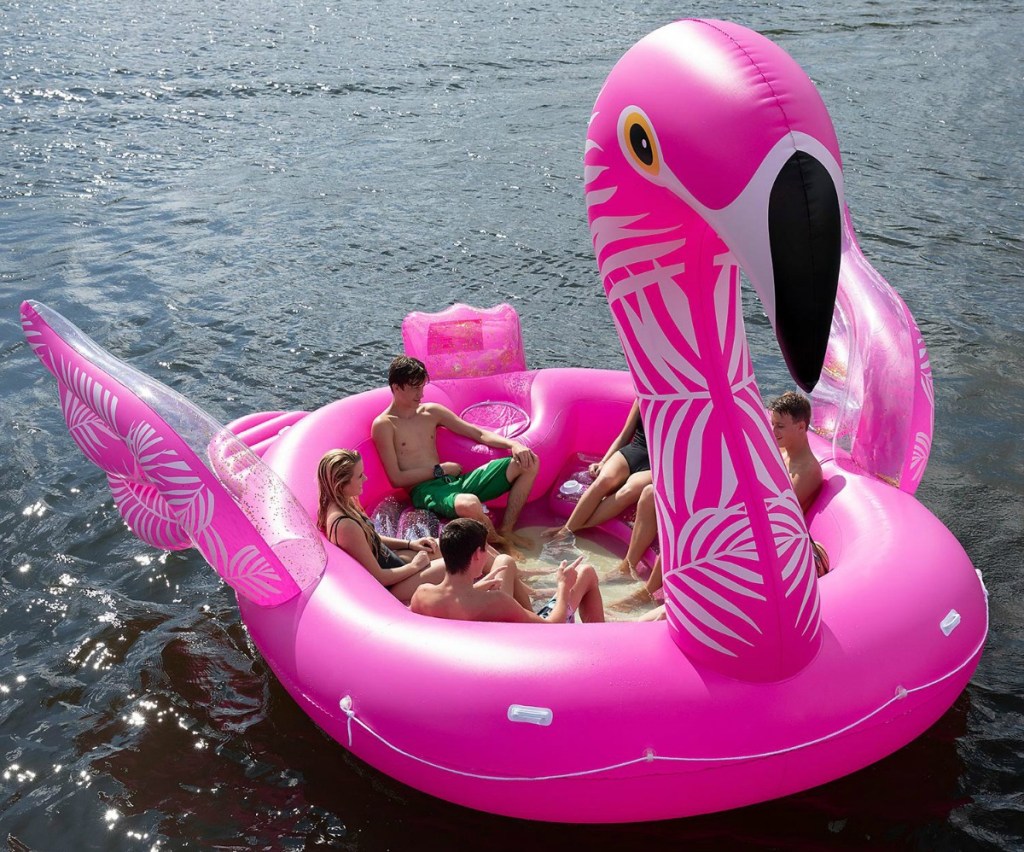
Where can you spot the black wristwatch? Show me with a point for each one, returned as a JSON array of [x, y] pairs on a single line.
[[438, 472]]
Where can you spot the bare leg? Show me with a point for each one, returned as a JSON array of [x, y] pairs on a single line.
[[654, 582], [522, 480], [504, 569], [469, 506], [585, 596], [644, 595], [621, 499], [496, 568], [645, 528], [656, 614], [613, 474], [522, 593]]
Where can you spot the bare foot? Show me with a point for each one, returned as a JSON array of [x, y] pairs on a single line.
[[517, 539], [510, 549], [656, 614], [499, 542], [631, 602], [623, 571], [552, 533]]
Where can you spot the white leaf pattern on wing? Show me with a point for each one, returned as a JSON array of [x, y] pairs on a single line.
[[160, 485], [88, 431], [36, 341], [250, 573], [722, 551], [147, 515]]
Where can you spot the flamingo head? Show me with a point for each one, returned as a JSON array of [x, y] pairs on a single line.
[[708, 125]]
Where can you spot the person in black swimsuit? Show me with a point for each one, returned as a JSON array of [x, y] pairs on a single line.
[[620, 477], [385, 556], [402, 565]]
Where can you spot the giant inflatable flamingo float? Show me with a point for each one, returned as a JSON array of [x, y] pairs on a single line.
[[709, 151]]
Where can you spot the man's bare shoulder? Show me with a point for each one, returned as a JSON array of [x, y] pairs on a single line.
[[386, 416], [806, 464], [477, 605], [425, 410], [424, 599], [383, 429], [435, 411]]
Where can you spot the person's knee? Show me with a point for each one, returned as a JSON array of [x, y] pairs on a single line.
[[645, 506], [516, 471], [606, 483], [469, 506], [586, 577], [630, 490], [506, 564]]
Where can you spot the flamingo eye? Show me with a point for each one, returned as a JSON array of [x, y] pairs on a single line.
[[640, 143]]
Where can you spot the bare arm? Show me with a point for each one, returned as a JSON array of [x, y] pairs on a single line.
[[559, 612], [451, 421], [566, 580], [351, 539], [413, 545], [625, 436]]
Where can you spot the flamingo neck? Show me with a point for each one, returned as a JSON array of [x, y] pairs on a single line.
[[739, 584]]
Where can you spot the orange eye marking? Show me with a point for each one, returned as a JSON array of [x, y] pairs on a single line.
[[640, 142]]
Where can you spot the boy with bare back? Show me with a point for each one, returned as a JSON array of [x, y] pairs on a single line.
[[405, 435], [459, 596]]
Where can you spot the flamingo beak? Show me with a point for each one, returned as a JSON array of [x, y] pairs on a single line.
[[804, 232]]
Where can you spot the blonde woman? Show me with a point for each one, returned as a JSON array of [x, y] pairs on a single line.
[[401, 565]]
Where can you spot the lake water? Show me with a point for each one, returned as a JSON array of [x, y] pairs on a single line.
[[244, 199]]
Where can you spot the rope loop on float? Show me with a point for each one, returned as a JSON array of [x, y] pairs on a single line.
[[900, 693]]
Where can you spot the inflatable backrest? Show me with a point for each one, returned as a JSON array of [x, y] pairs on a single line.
[[178, 477], [464, 342]]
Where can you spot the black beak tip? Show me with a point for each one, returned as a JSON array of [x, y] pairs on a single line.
[[805, 236]]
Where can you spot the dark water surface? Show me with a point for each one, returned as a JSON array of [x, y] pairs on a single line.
[[243, 199]]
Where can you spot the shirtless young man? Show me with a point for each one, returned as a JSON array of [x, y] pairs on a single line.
[[405, 435], [464, 549], [791, 418]]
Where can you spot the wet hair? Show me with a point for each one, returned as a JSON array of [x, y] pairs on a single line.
[[405, 372], [333, 474], [795, 405], [459, 540]]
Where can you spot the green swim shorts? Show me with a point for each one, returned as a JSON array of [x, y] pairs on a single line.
[[485, 482]]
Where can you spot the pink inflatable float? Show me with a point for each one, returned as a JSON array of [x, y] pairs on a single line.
[[709, 150]]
